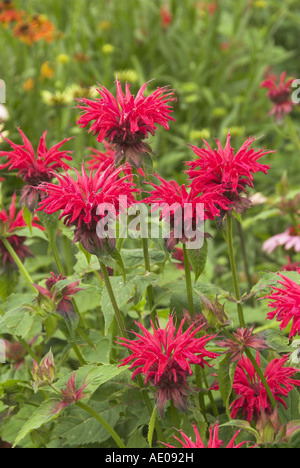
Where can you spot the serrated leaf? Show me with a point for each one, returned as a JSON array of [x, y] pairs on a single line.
[[197, 259], [44, 413], [225, 378]]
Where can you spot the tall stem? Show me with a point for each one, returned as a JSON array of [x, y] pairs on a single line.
[[19, 263], [124, 334], [234, 272], [188, 281], [102, 421]]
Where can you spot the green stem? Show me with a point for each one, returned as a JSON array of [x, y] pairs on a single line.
[[234, 272], [124, 334], [188, 281], [102, 421], [19, 264], [56, 257], [262, 377], [210, 395], [28, 349], [113, 301], [293, 132], [150, 292]]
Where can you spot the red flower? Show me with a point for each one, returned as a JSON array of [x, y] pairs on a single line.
[[286, 304], [35, 168], [232, 172], [81, 199], [9, 224], [103, 159], [165, 358], [213, 442], [70, 395], [252, 398], [127, 120], [165, 16], [242, 338], [185, 209], [62, 298], [279, 95]]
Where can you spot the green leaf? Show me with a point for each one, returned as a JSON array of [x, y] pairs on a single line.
[[114, 260], [152, 426], [45, 413], [225, 377], [240, 424], [197, 259], [27, 218], [123, 292]]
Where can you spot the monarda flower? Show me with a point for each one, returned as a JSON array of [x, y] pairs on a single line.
[[225, 169], [285, 304], [10, 223], [70, 395], [252, 398], [89, 204], [33, 168], [213, 442], [165, 359], [279, 94], [61, 298], [185, 210], [241, 339], [127, 121]]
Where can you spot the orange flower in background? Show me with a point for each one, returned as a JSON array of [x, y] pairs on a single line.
[[28, 85], [9, 15], [46, 70], [34, 28]]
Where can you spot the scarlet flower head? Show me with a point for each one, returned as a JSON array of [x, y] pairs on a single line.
[[285, 304], [213, 442], [185, 209], [103, 159], [10, 222], [243, 338], [165, 359], [279, 94], [70, 395], [230, 171], [127, 121], [35, 168], [252, 399], [79, 202]]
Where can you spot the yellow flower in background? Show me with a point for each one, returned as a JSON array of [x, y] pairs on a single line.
[[63, 58], [3, 134], [260, 4], [46, 70], [235, 131], [105, 25], [58, 98], [29, 84], [127, 75], [199, 134], [108, 49]]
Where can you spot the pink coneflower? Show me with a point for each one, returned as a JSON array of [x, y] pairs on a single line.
[[285, 304], [33, 168], [185, 209], [165, 359], [289, 239], [252, 398], [62, 298], [85, 202], [213, 442], [10, 222], [279, 94], [225, 169], [241, 339], [127, 121]]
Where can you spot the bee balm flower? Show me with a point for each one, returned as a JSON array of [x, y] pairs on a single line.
[[127, 120], [165, 359]]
